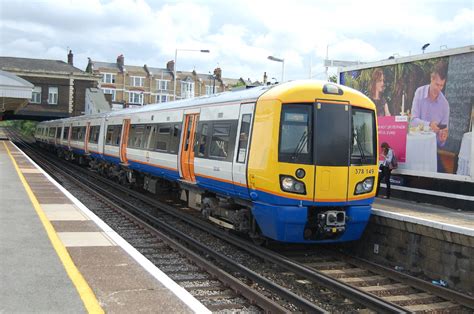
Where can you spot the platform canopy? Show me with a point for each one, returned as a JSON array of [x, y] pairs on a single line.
[[15, 92]]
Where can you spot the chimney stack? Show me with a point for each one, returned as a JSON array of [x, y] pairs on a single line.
[[218, 74], [120, 62], [90, 66], [170, 66], [70, 57], [265, 78]]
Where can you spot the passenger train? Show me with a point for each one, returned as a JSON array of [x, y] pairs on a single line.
[[294, 162]]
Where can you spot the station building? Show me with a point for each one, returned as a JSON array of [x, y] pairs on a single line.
[[59, 88]]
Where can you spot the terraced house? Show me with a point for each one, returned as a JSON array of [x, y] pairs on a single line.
[[131, 85]]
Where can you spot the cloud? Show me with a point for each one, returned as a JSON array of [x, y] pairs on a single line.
[[240, 34]]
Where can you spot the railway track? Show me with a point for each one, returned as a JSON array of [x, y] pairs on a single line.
[[317, 281]]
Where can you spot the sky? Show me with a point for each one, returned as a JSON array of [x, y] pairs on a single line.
[[240, 35]]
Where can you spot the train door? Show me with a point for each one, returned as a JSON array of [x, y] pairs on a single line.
[[239, 164], [86, 138], [187, 150], [69, 133], [123, 143], [332, 151]]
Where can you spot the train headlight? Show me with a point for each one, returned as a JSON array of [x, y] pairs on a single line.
[[365, 186], [290, 184]]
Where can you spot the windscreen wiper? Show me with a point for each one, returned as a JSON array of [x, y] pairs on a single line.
[[301, 144], [361, 150]]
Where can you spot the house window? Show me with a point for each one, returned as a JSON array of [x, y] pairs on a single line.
[[211, 89], [162, 84], [36, 96], [53, 96], [187, 89], [162, 98], [135, 98], [110, 92], [108, 78], [137, 81]]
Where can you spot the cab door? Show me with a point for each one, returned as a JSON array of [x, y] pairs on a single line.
[[187, 147], [86, 138], [332, 139], [124, 142], [239, 164]]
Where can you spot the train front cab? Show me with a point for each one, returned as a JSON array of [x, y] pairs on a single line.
[[312, 179]]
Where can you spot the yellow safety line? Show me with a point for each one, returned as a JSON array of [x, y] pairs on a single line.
[[85, 292]]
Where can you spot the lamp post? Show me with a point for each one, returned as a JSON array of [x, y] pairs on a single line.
[[424, 47], [176, 61], [282, 65]]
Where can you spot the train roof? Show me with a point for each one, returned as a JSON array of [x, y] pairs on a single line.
[[246, 95], [250, 94]]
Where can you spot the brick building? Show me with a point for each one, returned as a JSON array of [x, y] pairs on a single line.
[[59, 87], [131, 85]]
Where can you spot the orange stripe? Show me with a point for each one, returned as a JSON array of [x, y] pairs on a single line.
[[110, 155], [155, 165], [221, 180]]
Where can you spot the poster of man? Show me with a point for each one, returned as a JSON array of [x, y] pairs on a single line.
[[424, 109]]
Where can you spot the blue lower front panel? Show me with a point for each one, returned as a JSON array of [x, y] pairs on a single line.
[[287, 223]]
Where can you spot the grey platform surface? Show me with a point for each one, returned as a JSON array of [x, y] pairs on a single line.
[[32, 278], [427, 214]]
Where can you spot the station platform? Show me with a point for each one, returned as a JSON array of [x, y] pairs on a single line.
[[57, 256]]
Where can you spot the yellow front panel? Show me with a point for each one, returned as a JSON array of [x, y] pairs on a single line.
[[331, 184], [263, 167]]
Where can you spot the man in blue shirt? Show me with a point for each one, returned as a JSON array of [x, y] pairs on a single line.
[[430, 107]]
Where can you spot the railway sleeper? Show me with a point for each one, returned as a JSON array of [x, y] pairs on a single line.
[[413, 299]]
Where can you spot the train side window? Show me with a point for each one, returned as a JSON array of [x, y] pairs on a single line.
[[113, 135], [136, 138], [94, 134], [163, 138], [243, 138], [52, 132], [81, 133], [175, 138], [117, 135], [58, 133], [201, 143], [147, 135], [74, 132], [108, 137], [131, 136], [91, 134], [66, 133], [220, 141], [153, 133]]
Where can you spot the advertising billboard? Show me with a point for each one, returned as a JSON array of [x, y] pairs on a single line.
[[425, 110]]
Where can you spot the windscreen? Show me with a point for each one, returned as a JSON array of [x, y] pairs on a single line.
[[363, 150], [295, 134]]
